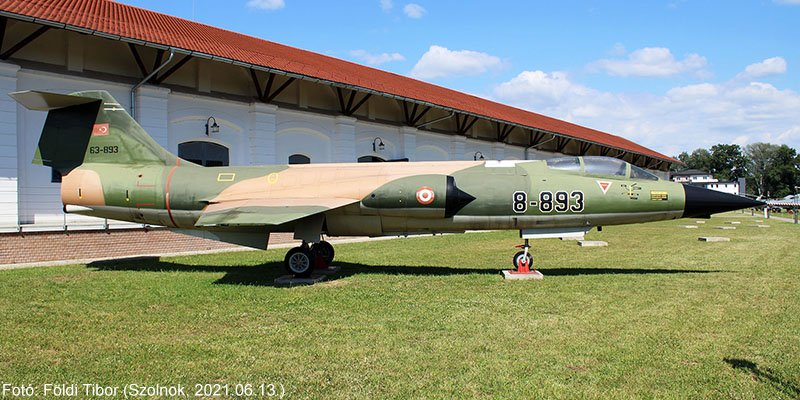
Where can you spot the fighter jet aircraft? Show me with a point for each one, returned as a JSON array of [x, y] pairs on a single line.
[[111, 168]]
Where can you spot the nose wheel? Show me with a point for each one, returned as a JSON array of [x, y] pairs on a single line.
[[523, 260]]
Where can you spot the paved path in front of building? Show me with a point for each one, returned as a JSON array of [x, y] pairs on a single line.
[[277, 241]]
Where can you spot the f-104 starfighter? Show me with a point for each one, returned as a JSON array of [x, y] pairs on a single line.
[[111, 168]]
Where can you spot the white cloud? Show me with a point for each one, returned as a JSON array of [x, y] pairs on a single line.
[[386, 5], [683, 118], [770, 66], [266, 4], [439, 62], [376, 59], [413, 10], [653, 62]]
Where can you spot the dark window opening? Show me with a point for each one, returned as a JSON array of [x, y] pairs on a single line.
[[370, 159], [299, 159], [206, 154]]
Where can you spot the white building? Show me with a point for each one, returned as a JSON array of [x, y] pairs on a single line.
[[692, 176], [271, 103], [705, 179]]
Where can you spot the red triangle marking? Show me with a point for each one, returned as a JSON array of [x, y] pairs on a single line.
[[604, 186]]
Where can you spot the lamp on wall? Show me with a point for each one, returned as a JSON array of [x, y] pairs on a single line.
[[477, 156], [377, 144], [213, 128]]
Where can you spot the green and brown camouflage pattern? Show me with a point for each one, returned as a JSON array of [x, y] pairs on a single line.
[[112, 169]]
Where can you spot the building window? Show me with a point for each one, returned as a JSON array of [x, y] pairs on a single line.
[[299, 159], [206, 154], [370, 159]]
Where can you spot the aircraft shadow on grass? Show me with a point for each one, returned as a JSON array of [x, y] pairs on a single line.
[[265, 274], [765, 375]]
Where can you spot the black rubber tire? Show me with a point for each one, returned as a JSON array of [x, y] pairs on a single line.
[[299, 262], [324, 250], [518, 257]]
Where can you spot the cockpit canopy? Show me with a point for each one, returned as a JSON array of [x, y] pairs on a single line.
[[596, 165]]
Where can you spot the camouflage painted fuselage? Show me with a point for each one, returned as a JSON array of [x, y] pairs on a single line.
[[112, 168], [369, 199]]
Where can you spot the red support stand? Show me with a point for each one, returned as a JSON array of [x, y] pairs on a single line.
[[523, 268], [319, 263]]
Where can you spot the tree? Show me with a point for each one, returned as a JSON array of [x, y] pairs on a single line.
[[759, 157], [727, 162], [699, 159], [783, 173]]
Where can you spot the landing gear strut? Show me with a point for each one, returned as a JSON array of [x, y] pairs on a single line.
[[301, 261], [523, 260]]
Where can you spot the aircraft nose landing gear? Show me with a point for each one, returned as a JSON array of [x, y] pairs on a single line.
[[523, 265], [523, 260]]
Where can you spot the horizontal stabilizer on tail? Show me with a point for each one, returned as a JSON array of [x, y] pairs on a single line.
[[44, 101]]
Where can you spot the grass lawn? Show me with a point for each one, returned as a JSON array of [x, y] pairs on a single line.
[[657, 314]]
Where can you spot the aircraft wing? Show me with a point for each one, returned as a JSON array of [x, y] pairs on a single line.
[[266, 212]]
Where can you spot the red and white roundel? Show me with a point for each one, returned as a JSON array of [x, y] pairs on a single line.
[[425, 195]]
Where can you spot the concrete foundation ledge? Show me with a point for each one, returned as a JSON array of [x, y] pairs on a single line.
[[592, 243], [291, 280], [713, 239], [512, 275]]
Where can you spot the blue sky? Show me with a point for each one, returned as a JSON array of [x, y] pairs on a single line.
[[673, 75]]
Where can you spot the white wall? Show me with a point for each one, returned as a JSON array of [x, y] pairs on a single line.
[[255, 133]]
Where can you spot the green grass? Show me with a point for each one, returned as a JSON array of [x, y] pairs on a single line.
[[656, 314]]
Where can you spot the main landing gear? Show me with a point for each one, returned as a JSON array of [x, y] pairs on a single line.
[[302, 260]]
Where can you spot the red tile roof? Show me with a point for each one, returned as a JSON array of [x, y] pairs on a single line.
[[128, 22]]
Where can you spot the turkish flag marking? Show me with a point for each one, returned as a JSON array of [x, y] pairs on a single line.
[[100, 130], [604, 185]]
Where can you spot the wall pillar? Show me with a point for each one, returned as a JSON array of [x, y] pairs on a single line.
[[344, 140], [457, 147], [9, 151], [409, 139], [263, 126], [152, 112], [498, 151]]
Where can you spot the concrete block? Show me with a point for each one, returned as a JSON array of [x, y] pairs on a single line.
[[328, 271], [512, 275], [759, 226], [733, 222], [713, 239], [592, 243], [699, 222], [725, 228], [291, 280], [688, 226], [758, 221]]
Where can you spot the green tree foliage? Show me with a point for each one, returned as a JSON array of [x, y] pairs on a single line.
[[727, 162], [783, 172], [759, 158], [771, 170], [699, 159]]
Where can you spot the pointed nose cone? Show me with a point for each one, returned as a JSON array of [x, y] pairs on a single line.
[[701, 202]]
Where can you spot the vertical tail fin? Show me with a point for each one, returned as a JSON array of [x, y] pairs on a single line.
[[89, 127]]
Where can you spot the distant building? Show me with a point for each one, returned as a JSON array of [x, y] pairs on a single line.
[[692, 176], [705, 179]]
